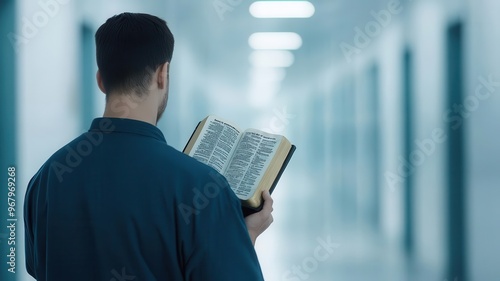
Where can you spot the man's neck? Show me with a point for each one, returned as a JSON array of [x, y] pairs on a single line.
[[131, 106]]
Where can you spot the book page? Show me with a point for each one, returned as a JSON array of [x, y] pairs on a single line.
[[252, 156], [215, 144]]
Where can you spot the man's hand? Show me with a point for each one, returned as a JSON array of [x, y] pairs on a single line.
[[259, 222]]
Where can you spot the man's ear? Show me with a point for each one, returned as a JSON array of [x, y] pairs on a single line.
[[99, 81], [162, 75]]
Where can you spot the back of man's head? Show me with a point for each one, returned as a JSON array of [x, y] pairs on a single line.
[[130, 47]]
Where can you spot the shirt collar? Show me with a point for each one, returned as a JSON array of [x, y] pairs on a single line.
[[131, 126]]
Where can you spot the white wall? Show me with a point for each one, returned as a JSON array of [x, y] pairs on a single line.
[[47, 86], [391, 50], [428, 43], [482, 143]]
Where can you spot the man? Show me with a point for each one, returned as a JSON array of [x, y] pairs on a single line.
[[111, 204]]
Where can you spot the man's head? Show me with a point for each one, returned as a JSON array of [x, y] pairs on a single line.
[[133, 54]]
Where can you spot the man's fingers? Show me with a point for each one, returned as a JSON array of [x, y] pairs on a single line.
[[268, 202], [266, 194]]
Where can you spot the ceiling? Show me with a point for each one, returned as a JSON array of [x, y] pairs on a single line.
[[219, 41]]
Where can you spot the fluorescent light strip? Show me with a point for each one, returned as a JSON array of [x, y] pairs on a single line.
[[275, 41], [282, 9], [271, 58]]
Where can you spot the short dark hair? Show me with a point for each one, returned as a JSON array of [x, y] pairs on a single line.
[[130, 47]]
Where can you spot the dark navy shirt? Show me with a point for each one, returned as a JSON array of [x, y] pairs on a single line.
[[118, 203]]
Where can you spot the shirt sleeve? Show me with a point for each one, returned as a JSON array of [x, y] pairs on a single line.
[[28, 228], [221, 249]]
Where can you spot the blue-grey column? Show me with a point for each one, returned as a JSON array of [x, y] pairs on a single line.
[[7, 136], [408, 136], [87, 61], [456, 255]]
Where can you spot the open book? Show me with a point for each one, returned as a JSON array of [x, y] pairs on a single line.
[[252, 161]]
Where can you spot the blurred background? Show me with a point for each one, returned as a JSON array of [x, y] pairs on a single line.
[[394, 107]]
